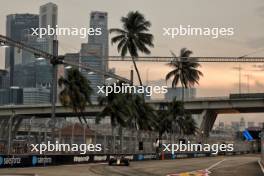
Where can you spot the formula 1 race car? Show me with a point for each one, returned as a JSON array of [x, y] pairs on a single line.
[[119, 161]]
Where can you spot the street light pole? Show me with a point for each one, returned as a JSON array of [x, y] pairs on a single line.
[[30, 128], [10, 132], [239, 70], [54, 90], [46, 131]]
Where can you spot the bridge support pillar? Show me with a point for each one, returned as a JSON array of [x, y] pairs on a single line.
[[208, 119], [4, 128]]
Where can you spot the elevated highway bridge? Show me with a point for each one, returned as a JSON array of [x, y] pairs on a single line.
[[207, 108]]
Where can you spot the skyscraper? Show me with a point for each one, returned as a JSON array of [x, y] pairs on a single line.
[[25, 71], [95, 52], [4, 79], [35, 42], [100, 20], [12, 95], [92, 54], [48, 16], [34, 74], [36, 95], [17, 26]]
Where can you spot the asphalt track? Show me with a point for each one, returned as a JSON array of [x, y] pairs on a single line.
[[243, 165]]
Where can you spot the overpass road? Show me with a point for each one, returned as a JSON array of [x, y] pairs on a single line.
[[244, 165], [207, 108], [196, 106]]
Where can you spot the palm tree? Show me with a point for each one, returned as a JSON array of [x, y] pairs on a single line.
[[170, 120], [185, 70], [133, 37], [117, 107], [143, 114], [173, 120], [76, 92], [143, 117], [175, 115], [126, 110], [189, 125], [165, 123]]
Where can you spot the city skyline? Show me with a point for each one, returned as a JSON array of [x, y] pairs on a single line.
[[88, 86], [216, 82], [236, 45]]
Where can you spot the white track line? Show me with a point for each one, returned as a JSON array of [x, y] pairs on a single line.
[[261, 166], [214, 165], [207, 169]]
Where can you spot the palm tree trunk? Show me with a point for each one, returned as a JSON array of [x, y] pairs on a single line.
[[183, 98], [84, 118], [78, 115], [113, 140], [135, 65], [80, 120], [136, 141], [131, 141], [183, 94], [121, 138]]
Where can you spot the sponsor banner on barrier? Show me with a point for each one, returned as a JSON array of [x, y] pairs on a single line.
[[197, 155], [100, 158], [10, 161], [181, 156], [36, 160], [43, 160], [149, 156], [141, 157], [81, 159], [129, 157]]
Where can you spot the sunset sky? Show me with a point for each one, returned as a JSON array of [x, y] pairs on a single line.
[[246, 17]]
